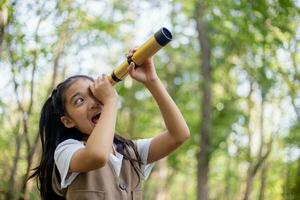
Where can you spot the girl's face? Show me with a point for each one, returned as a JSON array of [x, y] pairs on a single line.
[[83, 109]]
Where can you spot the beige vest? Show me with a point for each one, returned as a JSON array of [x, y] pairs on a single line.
[[103, 183]]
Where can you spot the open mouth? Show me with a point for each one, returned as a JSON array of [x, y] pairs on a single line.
[[95, 118]]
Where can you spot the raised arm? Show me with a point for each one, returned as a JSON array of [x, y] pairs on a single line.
[[177, 130], [99, 143]]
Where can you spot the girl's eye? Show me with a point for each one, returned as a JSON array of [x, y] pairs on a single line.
[[78, 101]]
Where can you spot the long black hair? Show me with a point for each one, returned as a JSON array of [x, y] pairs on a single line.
[[52, 132]]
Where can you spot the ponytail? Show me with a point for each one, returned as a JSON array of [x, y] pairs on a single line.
[[49, 125]]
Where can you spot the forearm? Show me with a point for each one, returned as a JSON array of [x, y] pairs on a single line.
[[172, 116], [100, 141]]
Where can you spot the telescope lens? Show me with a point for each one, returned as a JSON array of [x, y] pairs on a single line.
[[166, 33], [163, 36]]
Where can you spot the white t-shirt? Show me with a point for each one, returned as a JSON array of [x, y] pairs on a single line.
[[65, 150]]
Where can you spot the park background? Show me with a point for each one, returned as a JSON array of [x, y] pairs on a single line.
[[232, 68]]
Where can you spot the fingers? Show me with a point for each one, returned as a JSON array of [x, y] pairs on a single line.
[[131, 52], [101, 80], [102, 89], [92, 87], [131, 68]]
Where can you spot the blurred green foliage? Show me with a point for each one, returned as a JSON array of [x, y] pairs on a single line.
[[255, 60]]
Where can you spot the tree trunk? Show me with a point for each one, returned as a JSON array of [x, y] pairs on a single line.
[[205, 132], [255, 165], [263, 179], [30, 158], [249, 185], [21, 133], [252, 168], [11, 183]]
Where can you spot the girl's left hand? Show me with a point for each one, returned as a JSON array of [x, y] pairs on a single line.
[[145, 73]]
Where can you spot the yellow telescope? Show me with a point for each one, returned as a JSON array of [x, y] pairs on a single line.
[[146, 50]]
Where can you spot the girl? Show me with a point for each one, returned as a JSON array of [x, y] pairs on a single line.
[[82, 157]]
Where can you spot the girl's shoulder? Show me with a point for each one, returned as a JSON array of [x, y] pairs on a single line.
[[70, 142], [62, 157], [67, 148], [142, 144]]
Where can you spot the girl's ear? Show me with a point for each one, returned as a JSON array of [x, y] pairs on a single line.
[[67, 122]]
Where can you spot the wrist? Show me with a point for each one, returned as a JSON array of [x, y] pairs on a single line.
[[152, 83], [111, 101]]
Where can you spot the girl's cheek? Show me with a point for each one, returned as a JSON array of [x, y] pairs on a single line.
[[82, 109]]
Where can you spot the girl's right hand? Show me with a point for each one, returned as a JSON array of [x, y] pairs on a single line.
[[103, 90]]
